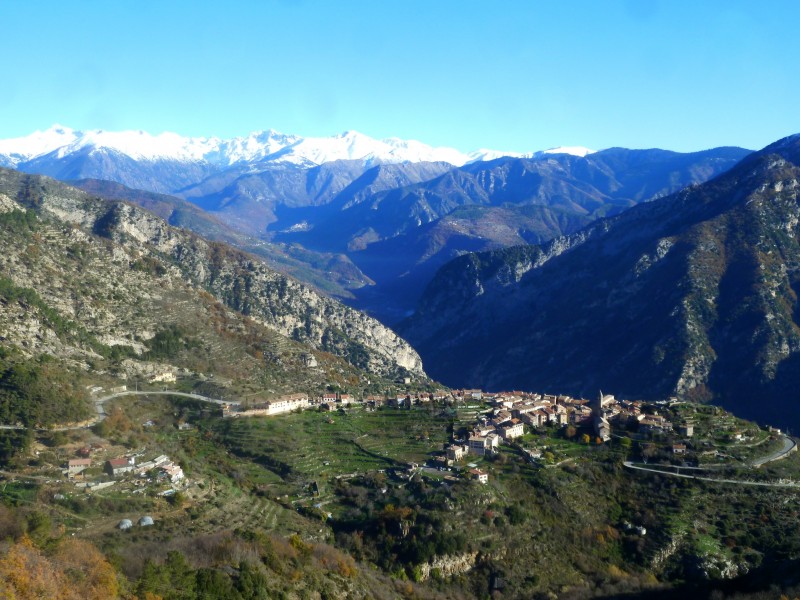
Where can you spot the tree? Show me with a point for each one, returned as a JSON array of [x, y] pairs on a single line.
[[585, 439], [215, 584], [175, 578], [76, 570], [90, 574], [26, 573], [648, 451], [252, 582], [39, 526]]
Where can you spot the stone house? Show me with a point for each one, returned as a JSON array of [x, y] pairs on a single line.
[[679, 448], [478, 475], [512, 429], [481, 445], [455, 452], [119, 466], [76, 466]]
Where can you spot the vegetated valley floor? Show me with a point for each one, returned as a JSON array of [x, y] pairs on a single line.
[[354, 483]]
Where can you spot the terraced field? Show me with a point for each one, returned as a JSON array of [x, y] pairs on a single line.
[[248, 512], [317, 447], [467, 414]]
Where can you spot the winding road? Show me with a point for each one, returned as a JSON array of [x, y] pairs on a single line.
[[789, 445], [99, 406]]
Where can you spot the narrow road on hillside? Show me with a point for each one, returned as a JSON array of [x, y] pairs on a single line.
[[99, 406], [780, 484], [789, 445]]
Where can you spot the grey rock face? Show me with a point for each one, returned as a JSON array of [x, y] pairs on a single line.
[[239, 280]]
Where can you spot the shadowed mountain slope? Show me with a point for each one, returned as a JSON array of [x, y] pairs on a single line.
[[694, 295]]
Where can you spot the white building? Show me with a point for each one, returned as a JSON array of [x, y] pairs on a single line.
[[481, 445], [480, 476], [288, 404], [512, 429]]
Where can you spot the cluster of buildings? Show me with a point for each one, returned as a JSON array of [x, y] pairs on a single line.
[[512, 411], [116, 467], [607, 410], [166, 468], [328, 401], [539, 410], [282, 405]]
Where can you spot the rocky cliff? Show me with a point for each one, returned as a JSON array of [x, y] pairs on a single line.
[[134, 243]]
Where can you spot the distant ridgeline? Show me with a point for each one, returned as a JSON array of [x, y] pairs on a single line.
[[694, 295], [369, 221]]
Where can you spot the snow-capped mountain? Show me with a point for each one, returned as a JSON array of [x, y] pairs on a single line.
[[60, 142], [16, 150], [580, 151], [483, 154]]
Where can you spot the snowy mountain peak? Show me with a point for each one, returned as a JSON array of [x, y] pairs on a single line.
[[483, 155], [350, 133], [580, 151], [16, 150], [257, 147]]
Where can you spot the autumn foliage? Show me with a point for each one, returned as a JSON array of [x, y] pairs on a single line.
[[75, 570]]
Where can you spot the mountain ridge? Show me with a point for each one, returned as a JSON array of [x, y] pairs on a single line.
[[239, 280], [418, 227], [331, 274], [59, 142], [694, 294]]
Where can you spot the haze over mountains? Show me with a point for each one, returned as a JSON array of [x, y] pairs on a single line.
[[364, 220]]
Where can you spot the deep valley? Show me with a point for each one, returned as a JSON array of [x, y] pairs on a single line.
[[189, 410]]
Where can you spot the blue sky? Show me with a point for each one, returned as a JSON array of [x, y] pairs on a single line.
[[507, 75]]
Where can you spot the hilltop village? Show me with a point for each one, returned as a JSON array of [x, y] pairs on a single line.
[[511, 410], [545, 430], [663, 429], [398, 467]]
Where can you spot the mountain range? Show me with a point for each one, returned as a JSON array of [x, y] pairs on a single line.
[[694, 295], [269, 146], [363, 220], [400, 236], [651, 259]]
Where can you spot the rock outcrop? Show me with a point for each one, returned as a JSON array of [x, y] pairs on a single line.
[[147, 246]]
